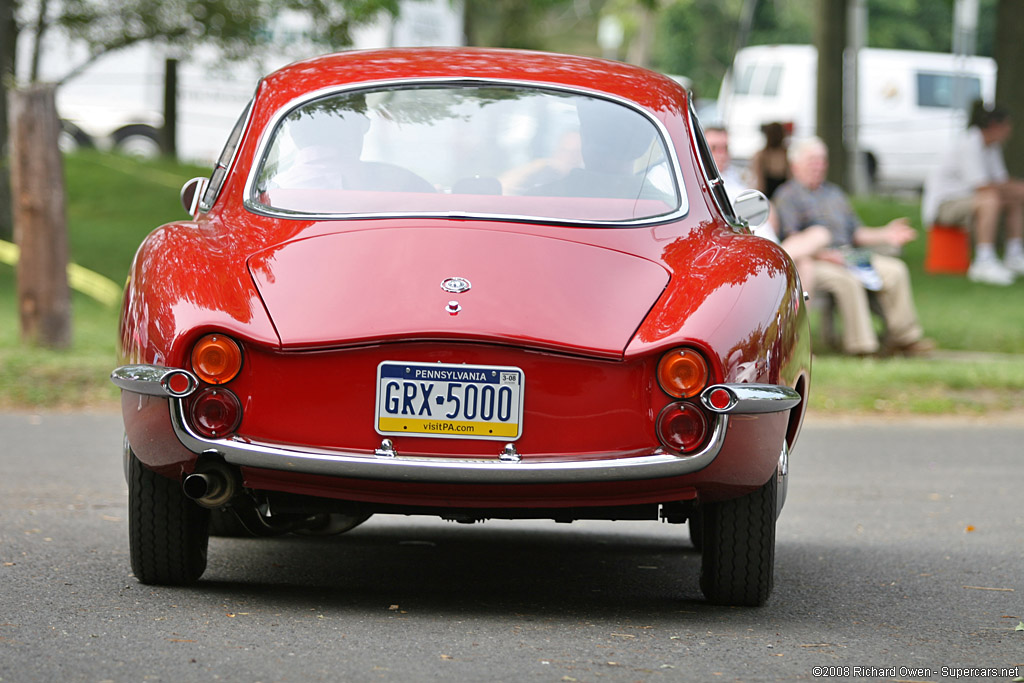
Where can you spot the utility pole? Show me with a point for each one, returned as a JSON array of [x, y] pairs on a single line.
[[169, 143], [7, 39], [857, 23], [965, 38]]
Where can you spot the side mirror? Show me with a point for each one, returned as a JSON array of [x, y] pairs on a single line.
[[752, 207], [191, 193]]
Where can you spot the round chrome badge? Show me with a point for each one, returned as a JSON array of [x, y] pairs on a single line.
[[455, 285]]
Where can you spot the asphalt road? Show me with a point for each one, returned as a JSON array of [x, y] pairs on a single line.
[[900, 546]]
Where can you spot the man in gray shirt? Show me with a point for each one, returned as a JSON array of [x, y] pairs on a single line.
[[843, 267]]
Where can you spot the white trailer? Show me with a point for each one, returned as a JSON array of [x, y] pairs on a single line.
[[910, 104]]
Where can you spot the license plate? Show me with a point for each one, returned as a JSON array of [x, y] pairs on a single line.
[[448, 400]]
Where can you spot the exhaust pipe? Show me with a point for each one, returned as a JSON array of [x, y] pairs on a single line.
[[212, 487]]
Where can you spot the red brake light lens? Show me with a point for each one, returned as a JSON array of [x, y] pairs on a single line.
[[682, 373], [682, 427], [216, 412], [216, 359]]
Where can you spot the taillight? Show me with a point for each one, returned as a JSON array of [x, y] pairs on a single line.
[[216, 359], [216, 412], [682, 427], [682, 373]]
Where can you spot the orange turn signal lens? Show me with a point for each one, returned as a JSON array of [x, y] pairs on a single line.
[[216, 359], [682, 373]]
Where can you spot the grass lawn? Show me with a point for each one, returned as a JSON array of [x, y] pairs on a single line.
[[114, 202], [979, 329]]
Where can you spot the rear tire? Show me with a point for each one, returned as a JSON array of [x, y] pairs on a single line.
[[738, 554], [168, 533], [695, 524]]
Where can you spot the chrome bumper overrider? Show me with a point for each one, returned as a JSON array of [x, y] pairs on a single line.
[[154, 380], [389, 466]]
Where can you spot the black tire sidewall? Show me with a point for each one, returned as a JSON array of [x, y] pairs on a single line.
[[168, 533], [738, 553]]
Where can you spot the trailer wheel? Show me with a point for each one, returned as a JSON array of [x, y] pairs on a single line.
[[140, 141], [73, 138]]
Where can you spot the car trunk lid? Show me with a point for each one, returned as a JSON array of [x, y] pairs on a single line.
[[389, 284]]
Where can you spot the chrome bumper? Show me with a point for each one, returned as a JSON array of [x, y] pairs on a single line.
[[385, 464]]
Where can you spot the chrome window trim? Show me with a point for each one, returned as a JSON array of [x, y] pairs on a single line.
[[267, 133], [713, 183], [244, 123]]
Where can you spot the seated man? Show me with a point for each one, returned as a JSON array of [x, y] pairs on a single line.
[[805, 204]]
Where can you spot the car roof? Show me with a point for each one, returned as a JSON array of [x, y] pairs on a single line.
[[645, 88]]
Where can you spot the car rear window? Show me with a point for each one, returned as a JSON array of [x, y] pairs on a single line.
[[457, 149]]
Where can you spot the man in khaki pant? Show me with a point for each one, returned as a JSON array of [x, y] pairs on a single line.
[[819, 229]]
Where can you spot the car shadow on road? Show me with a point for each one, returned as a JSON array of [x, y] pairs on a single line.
[[595, 570], [493, 567]]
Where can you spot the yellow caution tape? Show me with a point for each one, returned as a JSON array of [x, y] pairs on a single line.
[[86, 281]]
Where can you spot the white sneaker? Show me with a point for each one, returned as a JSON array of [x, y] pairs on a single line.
[[990, 273], [1014, 264]]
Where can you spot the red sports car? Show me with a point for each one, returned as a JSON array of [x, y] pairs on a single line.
[[467, 283]]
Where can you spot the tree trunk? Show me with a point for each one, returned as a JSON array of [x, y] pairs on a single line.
[[40, 223], [1009, 54], [830, 39], [470, 13], [38, 39]]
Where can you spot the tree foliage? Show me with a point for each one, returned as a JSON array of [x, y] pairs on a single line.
[[698, 38], [238, 27], [518, 23], [925, 25]]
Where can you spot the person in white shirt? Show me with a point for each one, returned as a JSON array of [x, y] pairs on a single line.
[[972, 187]]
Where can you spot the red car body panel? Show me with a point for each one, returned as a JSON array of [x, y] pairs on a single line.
[[585, 312]]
